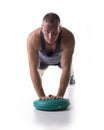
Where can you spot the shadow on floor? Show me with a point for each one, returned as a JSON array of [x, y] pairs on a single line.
[[53, 118]]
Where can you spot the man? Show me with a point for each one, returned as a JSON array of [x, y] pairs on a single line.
[[50, 44]]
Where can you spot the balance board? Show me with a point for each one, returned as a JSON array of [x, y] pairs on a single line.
[[52, 104]]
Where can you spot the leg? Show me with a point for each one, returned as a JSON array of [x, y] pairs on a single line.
[[72, 79], [72, 70], [42, 68], [41, 72]]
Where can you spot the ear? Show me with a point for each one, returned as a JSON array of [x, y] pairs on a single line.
[[41, 26], [60, 27]]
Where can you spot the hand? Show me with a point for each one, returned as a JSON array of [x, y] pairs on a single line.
[[54, 97], [44, 98], [50, 97]]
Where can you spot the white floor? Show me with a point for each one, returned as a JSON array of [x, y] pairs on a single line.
[[85, 20], [17, 111]]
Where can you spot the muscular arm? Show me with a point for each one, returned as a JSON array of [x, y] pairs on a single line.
[[34, 64], [66, 61]]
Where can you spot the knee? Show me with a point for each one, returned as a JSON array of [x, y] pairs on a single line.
[[41, 71]]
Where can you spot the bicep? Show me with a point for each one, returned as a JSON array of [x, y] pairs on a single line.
[[66, 58], [33, 56]]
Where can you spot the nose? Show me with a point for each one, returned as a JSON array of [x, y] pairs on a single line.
[[50, 35]]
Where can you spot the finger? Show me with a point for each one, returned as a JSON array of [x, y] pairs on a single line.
[[57, 97], [43, 98]]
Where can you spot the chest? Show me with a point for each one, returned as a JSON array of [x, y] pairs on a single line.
[[50, 48]]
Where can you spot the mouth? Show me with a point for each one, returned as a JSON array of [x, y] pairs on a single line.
[[52, 40]]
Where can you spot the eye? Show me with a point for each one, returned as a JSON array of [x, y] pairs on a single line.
[[46, 31]]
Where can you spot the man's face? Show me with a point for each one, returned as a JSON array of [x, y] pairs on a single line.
[[50, 32]]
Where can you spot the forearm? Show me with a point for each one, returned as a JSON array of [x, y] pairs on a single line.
[[37, 83], [63, 83]]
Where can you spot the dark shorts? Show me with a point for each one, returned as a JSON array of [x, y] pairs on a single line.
[[44, 66]]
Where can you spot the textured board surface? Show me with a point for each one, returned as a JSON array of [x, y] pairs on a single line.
[[52, 104]]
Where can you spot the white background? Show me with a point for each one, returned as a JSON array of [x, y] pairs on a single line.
[[85, 19]]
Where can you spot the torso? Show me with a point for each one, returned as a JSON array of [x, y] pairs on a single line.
[[50, 48], [50, 54], [66, 43], [65, 36]]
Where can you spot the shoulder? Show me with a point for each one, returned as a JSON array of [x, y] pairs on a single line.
[[34, 35], [33, 39], [67, 38], [66, 34]]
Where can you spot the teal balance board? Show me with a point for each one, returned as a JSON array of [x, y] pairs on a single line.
[[52, 104]]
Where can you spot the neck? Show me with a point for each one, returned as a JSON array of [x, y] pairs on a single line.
[[50, 44]]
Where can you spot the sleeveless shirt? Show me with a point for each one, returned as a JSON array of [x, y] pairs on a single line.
[[51, 58]]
